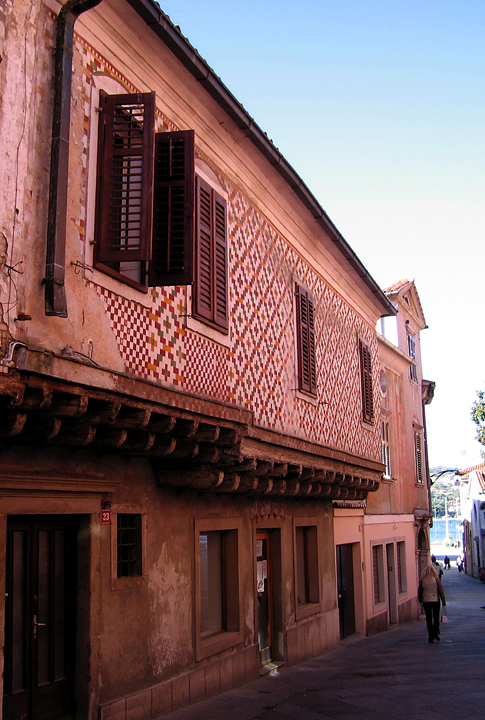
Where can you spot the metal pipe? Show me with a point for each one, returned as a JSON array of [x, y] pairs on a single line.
[[55, 294]]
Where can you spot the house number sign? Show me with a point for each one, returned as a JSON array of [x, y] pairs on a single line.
[[105, 517]]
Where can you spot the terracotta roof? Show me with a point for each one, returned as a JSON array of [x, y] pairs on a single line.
[[474, 468], [399, 285]]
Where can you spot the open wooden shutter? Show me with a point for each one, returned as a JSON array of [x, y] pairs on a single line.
[[125, 177], [210, 292], [307, 369], [366, 377], [221, 271], [173, 217]]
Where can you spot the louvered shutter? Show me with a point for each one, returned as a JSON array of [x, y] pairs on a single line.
[[366, 376], [419, 457], [221, 271], [125, 177], [210, 291], [307, 373], [173, 216]]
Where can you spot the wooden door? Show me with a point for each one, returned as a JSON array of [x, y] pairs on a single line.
[[40, 618], [264, 594], [345, 586]]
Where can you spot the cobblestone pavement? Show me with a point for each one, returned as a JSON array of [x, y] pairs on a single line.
[[397, 674]]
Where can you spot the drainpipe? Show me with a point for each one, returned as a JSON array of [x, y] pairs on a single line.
[[55, 294]]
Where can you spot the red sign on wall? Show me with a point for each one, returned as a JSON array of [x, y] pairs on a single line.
[[105, 517]]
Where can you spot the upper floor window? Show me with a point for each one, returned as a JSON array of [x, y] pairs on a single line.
[[385, 446], [418, 455], [305, 325], [366, 382], [412, 354], [154, 225]]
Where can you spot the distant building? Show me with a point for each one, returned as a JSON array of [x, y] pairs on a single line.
[[472, 501]]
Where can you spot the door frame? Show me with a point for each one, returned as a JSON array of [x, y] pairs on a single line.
[[90, 534]]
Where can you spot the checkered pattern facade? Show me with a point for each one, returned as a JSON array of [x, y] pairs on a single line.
[[254, 368]]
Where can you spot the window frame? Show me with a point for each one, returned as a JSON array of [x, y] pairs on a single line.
[[306, 341], [103, 255], [231, 534], [132, 581], [413, 373], [312, 603], [386, 447], [378, 584]]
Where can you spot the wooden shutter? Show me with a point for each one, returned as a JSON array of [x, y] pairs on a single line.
[[210, 291], [366, 377], [419, 457], [125, 177], [173, 216], [305, 313]]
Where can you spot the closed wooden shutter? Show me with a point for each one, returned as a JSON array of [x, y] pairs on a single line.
[[173, 216], [419, 457], [307, 370], [125, 177], [210, 291], [366, 377]]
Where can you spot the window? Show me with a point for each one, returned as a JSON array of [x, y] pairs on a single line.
[[378, 573], [366, 382], [306, 572], [386, 454], [418, 454], [218, 617], [128, 545], [401, 567], [305, 323], [155, 225], [412, 354]]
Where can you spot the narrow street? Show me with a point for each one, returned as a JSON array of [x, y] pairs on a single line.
[[396, 675]]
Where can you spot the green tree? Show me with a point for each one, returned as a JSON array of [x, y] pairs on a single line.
[[443, 493], [478, 416]]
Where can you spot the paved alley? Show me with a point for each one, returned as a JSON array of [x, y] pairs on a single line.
[[396, 675]]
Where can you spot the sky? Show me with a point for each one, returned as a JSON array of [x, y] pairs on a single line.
[[380, 108]]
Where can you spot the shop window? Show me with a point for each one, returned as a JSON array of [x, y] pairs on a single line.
[[218, 616], [306, 570]]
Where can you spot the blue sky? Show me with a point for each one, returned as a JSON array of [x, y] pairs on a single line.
[[380, 107]]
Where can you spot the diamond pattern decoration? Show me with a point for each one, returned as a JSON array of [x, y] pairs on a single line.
[[257, 371]]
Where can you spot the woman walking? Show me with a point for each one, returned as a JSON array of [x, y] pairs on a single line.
[[430, 593]]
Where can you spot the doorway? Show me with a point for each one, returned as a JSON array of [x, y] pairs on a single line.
[[345, 588], [264, 594], [40, 617]]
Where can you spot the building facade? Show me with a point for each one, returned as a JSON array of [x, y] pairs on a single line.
[[472, 497], [189, 385]]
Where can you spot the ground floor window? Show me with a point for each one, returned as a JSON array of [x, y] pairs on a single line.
[[218, 604], [306, 569]]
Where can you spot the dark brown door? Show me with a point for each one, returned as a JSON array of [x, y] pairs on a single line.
[[40, 618], [345, 585]]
